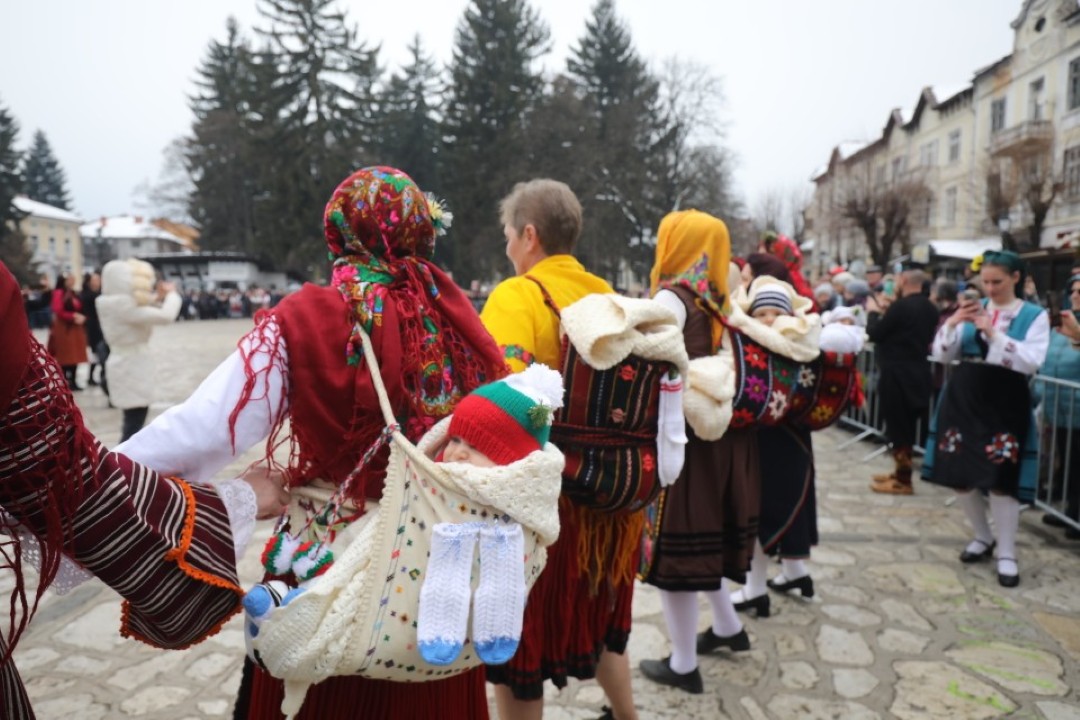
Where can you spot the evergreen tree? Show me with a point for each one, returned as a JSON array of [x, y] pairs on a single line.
[[622, 137], [43, 178], [14, 251], [409, 135], [326, 127], [220, 152], [494, 89]]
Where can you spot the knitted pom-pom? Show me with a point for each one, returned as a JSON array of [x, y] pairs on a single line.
[[277, 557], [539, 382], [311, 560]]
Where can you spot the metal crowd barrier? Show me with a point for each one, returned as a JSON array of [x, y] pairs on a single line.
[[1058, 423]]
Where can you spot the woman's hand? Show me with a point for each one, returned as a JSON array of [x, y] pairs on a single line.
[[965, 313], [78, 318], [984, 324], [271, 490], [1070, 326]]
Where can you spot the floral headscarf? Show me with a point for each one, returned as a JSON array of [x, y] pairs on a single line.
[[381, 232], [693, 251], [785, 248]]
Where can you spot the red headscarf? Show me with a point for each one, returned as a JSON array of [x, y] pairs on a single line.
[[786, 249]]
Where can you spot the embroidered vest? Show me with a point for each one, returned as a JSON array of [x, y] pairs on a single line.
[[1018, 328]]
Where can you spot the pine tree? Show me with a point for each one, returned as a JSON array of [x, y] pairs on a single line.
[[326, 126], [623, 128], [220, 153], [411, 101], [493, 91], [43, 178], [14, 251]]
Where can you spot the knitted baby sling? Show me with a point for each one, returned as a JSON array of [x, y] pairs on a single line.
[[607, 428], [360, 616]]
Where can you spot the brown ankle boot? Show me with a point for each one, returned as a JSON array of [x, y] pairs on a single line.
[[898, 482]]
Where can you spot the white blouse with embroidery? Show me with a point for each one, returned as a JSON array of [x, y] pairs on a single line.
[[1023, 356]]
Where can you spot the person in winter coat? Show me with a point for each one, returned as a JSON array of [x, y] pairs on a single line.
[[94, 339], [129, 307], [67, 337]]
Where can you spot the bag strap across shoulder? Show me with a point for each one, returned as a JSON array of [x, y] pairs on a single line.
[[547, 296]]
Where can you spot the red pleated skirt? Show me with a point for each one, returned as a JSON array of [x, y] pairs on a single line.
[[462, 697]]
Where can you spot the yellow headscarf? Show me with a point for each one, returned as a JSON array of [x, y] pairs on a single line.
[[693, 251]]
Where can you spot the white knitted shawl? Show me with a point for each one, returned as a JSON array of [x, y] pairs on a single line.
[[607, 328]]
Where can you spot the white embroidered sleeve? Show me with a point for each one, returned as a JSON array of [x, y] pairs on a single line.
[[1024, 356], [946, 347], [240, 503]]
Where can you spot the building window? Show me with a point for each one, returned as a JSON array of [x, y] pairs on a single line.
[[925, 211], [954, 146], [1036, 99], [950, 207], [997, 115], [67, 247], [897, 168], [1074, 84], [1072, 172], [880, 179], [136, 244], [928, 154]]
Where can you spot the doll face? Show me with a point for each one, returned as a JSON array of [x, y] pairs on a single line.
[[457, 450], [846, 321], [767, 315]]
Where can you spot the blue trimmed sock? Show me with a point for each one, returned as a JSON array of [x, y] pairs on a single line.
[[444, 597], [499, 603]]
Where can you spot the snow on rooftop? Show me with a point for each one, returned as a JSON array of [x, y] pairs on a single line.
[[850, 147], [947, 91], [129, 227], [42, 210]]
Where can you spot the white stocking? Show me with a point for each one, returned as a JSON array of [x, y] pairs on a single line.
[[755, 579], [726, 620], [1006, 512], [974, 506], [681, 614]]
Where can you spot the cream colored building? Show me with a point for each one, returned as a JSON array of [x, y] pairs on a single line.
[[53, 235], [953, 139]]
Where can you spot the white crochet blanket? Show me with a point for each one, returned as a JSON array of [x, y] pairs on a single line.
[[606, 329], [328, 629]]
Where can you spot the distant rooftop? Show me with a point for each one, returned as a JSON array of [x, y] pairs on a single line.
[[42, 210], [132, 227]]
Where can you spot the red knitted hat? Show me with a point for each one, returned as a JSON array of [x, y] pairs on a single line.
[[508, 419]]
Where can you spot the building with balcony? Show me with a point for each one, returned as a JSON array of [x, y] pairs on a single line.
[[974, 160]]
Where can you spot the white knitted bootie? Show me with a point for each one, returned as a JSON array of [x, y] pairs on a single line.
[[499, 603], [444, 598]]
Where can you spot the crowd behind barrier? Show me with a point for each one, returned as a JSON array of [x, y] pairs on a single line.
[[1057, 420]]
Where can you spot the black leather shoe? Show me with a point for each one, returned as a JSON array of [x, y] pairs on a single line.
[[1008, 580], [708, 641], [608, 714], [985, 554], [1072, 533], [760, 604], [660, 671], [805, 585]]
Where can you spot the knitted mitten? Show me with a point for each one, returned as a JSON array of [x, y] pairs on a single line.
[[500, 595], [258, 603], [671, 430], [444, 597]]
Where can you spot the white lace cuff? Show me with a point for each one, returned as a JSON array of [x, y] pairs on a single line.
[[242, 507]]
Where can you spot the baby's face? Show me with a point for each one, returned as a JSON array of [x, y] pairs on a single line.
[[846, 321], [767, 315], [457, 450]]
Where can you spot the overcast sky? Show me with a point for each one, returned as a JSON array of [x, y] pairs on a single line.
[[108, 80]]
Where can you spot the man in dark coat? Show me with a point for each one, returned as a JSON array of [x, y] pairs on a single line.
[[902, 338]]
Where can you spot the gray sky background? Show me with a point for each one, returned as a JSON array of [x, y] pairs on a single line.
[[108, 80]]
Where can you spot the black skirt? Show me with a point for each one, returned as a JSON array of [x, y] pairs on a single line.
[[978, 436], [788, 524]]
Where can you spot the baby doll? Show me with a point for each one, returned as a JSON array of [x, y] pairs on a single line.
[[843, 331]]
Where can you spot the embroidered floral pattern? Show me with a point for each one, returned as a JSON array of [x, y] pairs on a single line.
[[1003, 447], [778, 404], [807, 378], [742, 417], [784, 375], [756, 389], [755, 356], [950, 441], [627, 373], [516, 352]]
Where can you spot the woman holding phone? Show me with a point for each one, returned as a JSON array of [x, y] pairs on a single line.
[[982, 441]]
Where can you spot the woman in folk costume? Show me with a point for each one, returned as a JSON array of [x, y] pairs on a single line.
[[577, 620], [709, 516], [788, 520], [304, 363], [983, 437], [65, 501], [67, 337]]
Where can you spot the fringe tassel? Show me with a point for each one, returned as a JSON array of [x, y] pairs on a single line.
[[607, 546]]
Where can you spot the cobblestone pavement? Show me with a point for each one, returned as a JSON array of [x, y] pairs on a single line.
[[899, 628]]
